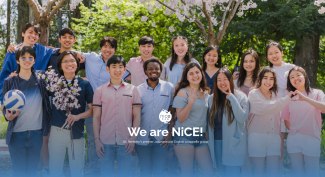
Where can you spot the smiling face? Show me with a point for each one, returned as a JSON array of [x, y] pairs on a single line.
[[69, 64], [297, 79], [194, 76], [223, 82], [249, 63], [67, 40], [116, 70], [146, 50], [30, 36], [107, 50], [274, 55], [267, 81], [153, 71], [180, 47], [27, 64], [211, 58]]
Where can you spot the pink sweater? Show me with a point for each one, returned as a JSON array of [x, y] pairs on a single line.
[[264, 115], [305, 118]]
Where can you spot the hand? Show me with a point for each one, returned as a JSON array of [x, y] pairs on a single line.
[[235, 75], [228, 92], [51, 47], [193, 96], [100, 150], [71, 119], [167, 140], [11, 48], [81, 57], [300, 96], [85, 79], [13, 74], [10, 116], [130, 145]]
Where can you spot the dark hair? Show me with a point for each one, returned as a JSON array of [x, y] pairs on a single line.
[[272, 43], [207, 50], [243, 72], [290, 87], [65, 31], [267, 69], [61, 56], [187, 57], [146, 40], [21, 51], [36, 27], [152, 59], [184, 82], [115, 59], [111, 40], [218, 103]]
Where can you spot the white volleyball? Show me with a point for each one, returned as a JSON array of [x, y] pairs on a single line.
[[14, 100]]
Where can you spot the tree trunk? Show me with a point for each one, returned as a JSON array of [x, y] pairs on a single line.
[[44, 39], [8, 22], [306, 55], [23, 18], [213, 41]]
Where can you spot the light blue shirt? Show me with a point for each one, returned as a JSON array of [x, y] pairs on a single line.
[[175, 74], [96, 70], [153, 102]]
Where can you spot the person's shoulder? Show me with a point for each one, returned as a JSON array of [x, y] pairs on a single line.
[[317, 91], [168, 61], [166, 84], [141, 86], [240, 95], [182, 93], [253, 92], [8, 79], [194, 60]]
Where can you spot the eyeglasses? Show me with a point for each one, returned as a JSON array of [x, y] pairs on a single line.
[[24, 59], [69, 61]]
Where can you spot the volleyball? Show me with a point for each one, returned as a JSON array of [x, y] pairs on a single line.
[[14, 100]]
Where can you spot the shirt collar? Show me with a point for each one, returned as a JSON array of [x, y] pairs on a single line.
[[109, 83], [139, 59], [148, 87]]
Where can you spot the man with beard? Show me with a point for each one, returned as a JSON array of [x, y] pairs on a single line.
[[156, 96]]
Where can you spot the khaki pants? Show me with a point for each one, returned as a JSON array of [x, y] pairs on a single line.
[[58, 143]]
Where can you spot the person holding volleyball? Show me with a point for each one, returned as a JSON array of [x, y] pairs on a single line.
[[28, 125]]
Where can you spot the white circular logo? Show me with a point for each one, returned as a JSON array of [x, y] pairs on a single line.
[[165, 116]]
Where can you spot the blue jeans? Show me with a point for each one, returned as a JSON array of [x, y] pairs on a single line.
[[25, 152], [224, 170], [123, 160], [92, 155], [152, 159]]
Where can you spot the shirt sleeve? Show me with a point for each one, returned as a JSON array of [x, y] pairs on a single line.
[[7, 68], [180, 102], [286, 113], [136, 98], [97, 97], [260, 106], [89, 93], [129, 66], [321, 97], [125, 75]]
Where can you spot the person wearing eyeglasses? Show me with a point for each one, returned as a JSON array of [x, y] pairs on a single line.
[[27, 126]]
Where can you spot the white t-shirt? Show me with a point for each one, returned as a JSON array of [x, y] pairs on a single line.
[[281, 76], [116, 86]]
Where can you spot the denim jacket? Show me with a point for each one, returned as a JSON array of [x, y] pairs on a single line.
[[234, 136], [13, 83]]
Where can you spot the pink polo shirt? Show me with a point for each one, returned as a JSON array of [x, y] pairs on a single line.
[[138, 76], [305, 118], [264, 115], [116, 114]]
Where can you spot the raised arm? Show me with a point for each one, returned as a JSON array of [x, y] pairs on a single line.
[[240, 107]]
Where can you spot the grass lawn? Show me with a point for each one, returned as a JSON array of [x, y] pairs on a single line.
[[3, 126]]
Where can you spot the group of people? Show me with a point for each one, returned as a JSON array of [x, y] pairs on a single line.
[[242, 117]]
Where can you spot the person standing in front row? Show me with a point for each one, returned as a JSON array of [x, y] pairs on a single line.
[[27, 126], [228, 111], [117, 108], [72, 138], [264, 127], [304, 121], [191, 103], [156, 96]]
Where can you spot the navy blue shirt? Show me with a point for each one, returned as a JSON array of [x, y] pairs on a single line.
[[85, 97], [217, 123], [210, 81], [54, 58]]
